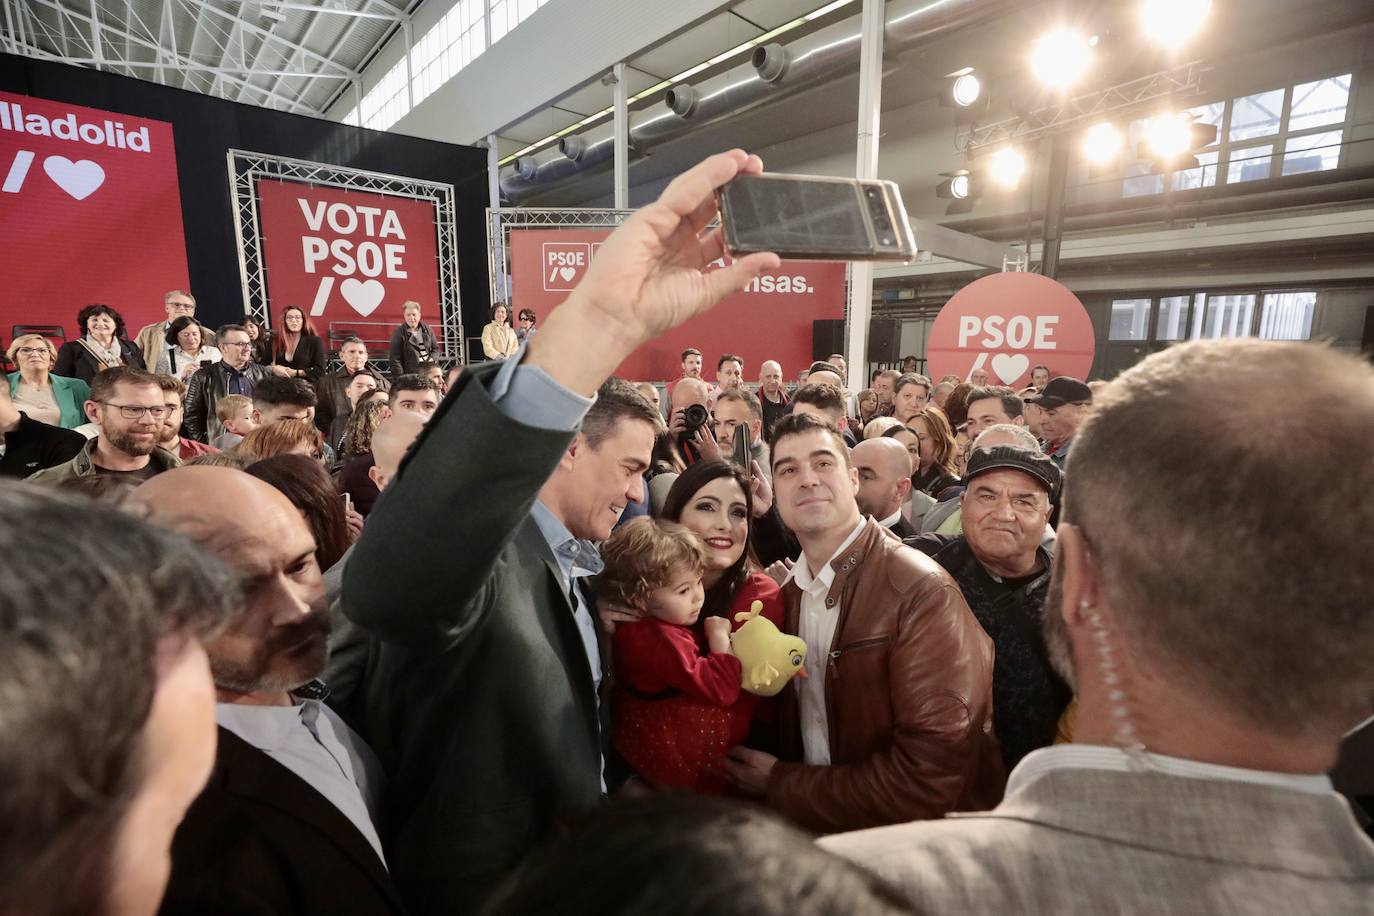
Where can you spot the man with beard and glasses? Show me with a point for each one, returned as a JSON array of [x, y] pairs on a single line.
[[286, 823], [128, 410], [1219, 657]]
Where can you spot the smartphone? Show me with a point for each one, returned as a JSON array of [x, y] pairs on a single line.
[[739, 447], [348, 502], [814, 218]]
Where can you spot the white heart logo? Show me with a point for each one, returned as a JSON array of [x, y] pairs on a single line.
[[80, 179], [1010, 367], [364, 296], [567, 273]]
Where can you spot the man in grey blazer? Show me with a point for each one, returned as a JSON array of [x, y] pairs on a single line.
[[481, 689], [1212, 611]]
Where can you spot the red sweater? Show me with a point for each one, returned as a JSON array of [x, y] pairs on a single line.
[[676, 711]]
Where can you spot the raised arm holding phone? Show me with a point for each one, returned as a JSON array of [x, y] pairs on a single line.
[[481, 695]]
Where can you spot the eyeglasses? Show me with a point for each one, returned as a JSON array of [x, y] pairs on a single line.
[[131, 412], [182, 306], [31, 351], [245, 345]]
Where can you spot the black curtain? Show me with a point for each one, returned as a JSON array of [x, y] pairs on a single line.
[[206, 127]]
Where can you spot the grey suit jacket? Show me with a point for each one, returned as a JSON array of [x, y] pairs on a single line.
[[1097, 842]]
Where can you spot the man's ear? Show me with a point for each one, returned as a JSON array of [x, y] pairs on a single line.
[[92, 410], [904, 488], [570, 457], [1078, 574], [257, 416], [843, 423]]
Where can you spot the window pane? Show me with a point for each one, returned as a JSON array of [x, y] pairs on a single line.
[[1319, 103], [1287, 316], [1256, 115], [1312, 153], [1208, 114], [1172, 323], [1146, 183], [1249, 164], [1227, 316], [1204, 176], [1130, 319]]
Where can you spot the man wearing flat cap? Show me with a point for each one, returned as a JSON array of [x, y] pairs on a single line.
[[1003, 570], [1064, 404]]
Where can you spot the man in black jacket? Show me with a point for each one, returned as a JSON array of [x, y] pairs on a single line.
[[481, 697], [1004, 573], [334, 403], [286, 823], [27, 445], [234, 374]]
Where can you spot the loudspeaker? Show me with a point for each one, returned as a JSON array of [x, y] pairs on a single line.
[[827, 336], [884, 340]]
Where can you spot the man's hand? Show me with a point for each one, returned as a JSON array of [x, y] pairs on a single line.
[[705, 441], [748, 770], [282, 371], [762, 490], [779, 570], [354, 520], [648, 277], [717, 634], [612, 614]]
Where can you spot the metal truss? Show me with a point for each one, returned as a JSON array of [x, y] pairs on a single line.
[[245, 169], [500, 222], [1181, 82], [227, 50]]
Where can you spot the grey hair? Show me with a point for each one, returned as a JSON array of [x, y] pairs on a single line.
[[89, 592], [1242, 575], [1024, 438]]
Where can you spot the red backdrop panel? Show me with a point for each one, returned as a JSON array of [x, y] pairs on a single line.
[[1006, 323], [771, 319], [346, 255], [89, 212]]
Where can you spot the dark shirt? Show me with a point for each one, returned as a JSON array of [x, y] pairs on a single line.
[[32, 446], [354, 480], [1028, 696], [772, 413], [238, 383]]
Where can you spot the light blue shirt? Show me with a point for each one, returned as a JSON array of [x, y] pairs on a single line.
[[310, 740]]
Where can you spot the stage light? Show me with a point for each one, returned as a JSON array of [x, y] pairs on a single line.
[[956, 186], [1102, 143], [966, 90], [1005, 168], [963, 91], [1168, 136], [1061, 58], [1170, 23]]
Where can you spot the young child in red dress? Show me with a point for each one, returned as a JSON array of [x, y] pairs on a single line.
[[676, 710]]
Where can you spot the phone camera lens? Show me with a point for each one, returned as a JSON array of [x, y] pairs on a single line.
[[872, 193]]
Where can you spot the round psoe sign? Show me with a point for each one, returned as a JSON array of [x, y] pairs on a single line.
[[1007, 323]]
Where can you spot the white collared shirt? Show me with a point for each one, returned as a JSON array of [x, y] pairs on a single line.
[[1098, 757], [892, 519], [816, 626], [310, 740]]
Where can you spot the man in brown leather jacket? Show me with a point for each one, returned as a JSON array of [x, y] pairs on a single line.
[[895, 721]]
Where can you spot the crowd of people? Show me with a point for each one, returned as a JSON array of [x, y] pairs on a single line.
[[280, 637]]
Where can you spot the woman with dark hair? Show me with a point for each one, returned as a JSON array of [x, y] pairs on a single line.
[[186, 350], [306, 483], [716, 500], [938, 453], [102, 345], [260, 338], [297, 350], [498, 337]]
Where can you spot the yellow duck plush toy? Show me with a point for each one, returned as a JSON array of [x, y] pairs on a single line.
[[769, 658]]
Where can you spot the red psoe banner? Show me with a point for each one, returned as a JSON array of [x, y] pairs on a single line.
[[89, 212], [1007, 323], [347, 255], [770, 319]]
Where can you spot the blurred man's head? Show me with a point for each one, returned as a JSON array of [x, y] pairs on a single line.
[[1226, 635], [276, 399], [884, 468], [990, 406], [353, 355], [1040, 377], [128, 406], [837, 360], [1064, 405], [393, 437], [108, 729], [414, 393], [825, 401], [770, 378], [173, 393], [822, 373], [279, 639], [730, 372], [1006, 503], [359, 387], [734, 408], [433, 372], [689, 391], [691, 363], [884, 386]]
